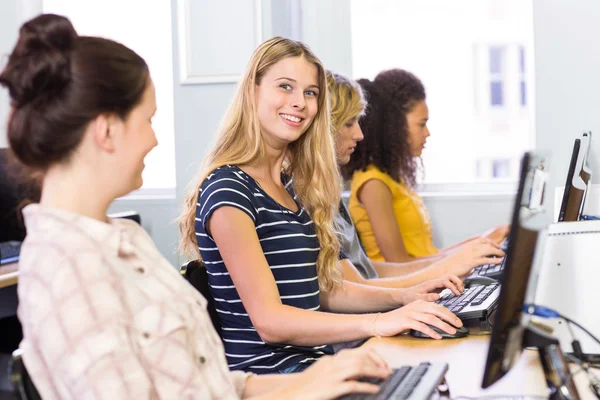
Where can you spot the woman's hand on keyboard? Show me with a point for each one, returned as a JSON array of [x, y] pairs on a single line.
[[472, 254], [417, 315], [429, 290], [334, 376], [497, 234]]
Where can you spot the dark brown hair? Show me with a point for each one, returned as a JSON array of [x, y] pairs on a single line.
[[390, 97], [59, 81]]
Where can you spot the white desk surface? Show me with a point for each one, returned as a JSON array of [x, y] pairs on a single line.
[[9, 274]]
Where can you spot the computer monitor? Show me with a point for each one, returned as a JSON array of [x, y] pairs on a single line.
[[586, 171], [529, 218], [570, 174], [17, 188], [578, 184]]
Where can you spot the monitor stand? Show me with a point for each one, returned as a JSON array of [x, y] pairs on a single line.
[[561, 385]]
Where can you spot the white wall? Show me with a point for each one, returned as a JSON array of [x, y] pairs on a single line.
[[567, 80]]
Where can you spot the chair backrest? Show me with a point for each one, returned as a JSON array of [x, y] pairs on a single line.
[[23, 385], [132, 215], [195, 273]]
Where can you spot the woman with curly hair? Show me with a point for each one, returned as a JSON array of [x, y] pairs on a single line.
[[391, 218], [348, 106]]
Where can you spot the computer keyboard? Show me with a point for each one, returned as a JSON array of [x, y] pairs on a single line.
[[413, 383], [489, 270], [9, 252], [475, 302]]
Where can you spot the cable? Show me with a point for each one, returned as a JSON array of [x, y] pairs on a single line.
[[545, 312], [590, 334], [578, 356]]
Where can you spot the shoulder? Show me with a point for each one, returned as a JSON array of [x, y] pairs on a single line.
[[229, 176], [372, 172]]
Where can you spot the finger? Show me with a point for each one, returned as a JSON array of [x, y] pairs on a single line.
[[443, 313], [491, 251], [452, 286], [347, 387], [378, 360], [457, 282], [435, 321], [428, 297], [363, 365], [491, 260], [490, 243], [421, 327]]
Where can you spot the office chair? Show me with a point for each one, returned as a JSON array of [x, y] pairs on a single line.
[[195, 273], [22, 383]]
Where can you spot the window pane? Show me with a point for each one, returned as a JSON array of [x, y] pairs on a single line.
[[471, 74], [496, 94], [496, 56], [522, 59], [501, 168], [523, 93], [149, 36]]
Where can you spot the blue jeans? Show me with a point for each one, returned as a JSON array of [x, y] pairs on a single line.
[[295, 368]]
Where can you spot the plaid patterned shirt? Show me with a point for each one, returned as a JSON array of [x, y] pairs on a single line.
[[105, 316]]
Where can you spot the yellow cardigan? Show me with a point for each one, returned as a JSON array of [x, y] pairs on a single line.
[[411, 215]]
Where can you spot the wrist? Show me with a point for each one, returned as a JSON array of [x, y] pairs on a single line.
[[399, 297], [367, 324]]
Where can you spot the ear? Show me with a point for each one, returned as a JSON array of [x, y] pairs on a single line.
[[103, 129]]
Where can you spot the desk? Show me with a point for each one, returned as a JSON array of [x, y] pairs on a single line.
[[9, 274], [466, 359]]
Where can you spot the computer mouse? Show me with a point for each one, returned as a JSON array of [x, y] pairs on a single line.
[[460, 332], [475, 280]]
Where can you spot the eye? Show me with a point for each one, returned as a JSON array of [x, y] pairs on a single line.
[[286, 86], [313, 93]]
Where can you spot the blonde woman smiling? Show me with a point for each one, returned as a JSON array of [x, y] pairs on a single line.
[[270, 249]]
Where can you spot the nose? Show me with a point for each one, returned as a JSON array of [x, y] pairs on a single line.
[[357, 135], [427, 133], [298, 101]]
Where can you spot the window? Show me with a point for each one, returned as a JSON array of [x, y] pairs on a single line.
[[496, 76], [144, 27], [522, 76], [474, 58]]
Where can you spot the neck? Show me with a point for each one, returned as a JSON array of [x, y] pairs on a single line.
[[75, 190], [269, 167]]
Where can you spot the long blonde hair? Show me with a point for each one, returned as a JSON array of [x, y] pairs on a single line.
[[310, 160], [346, 99]]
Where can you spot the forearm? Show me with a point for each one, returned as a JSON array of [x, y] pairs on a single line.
[[355, 297], [457, 245], [389, 269], [292, 325], [267, 387]]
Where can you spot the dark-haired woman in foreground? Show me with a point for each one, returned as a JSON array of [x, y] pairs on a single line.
[[390, 217], [104, 315]]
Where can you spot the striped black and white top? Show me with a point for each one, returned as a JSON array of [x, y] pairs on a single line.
[[291, 248]]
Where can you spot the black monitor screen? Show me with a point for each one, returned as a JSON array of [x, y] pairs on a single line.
[[529, 217], [571, 172], [17, 188], [586, 172]]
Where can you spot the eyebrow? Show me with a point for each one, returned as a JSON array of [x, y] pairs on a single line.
[[293, 80]]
